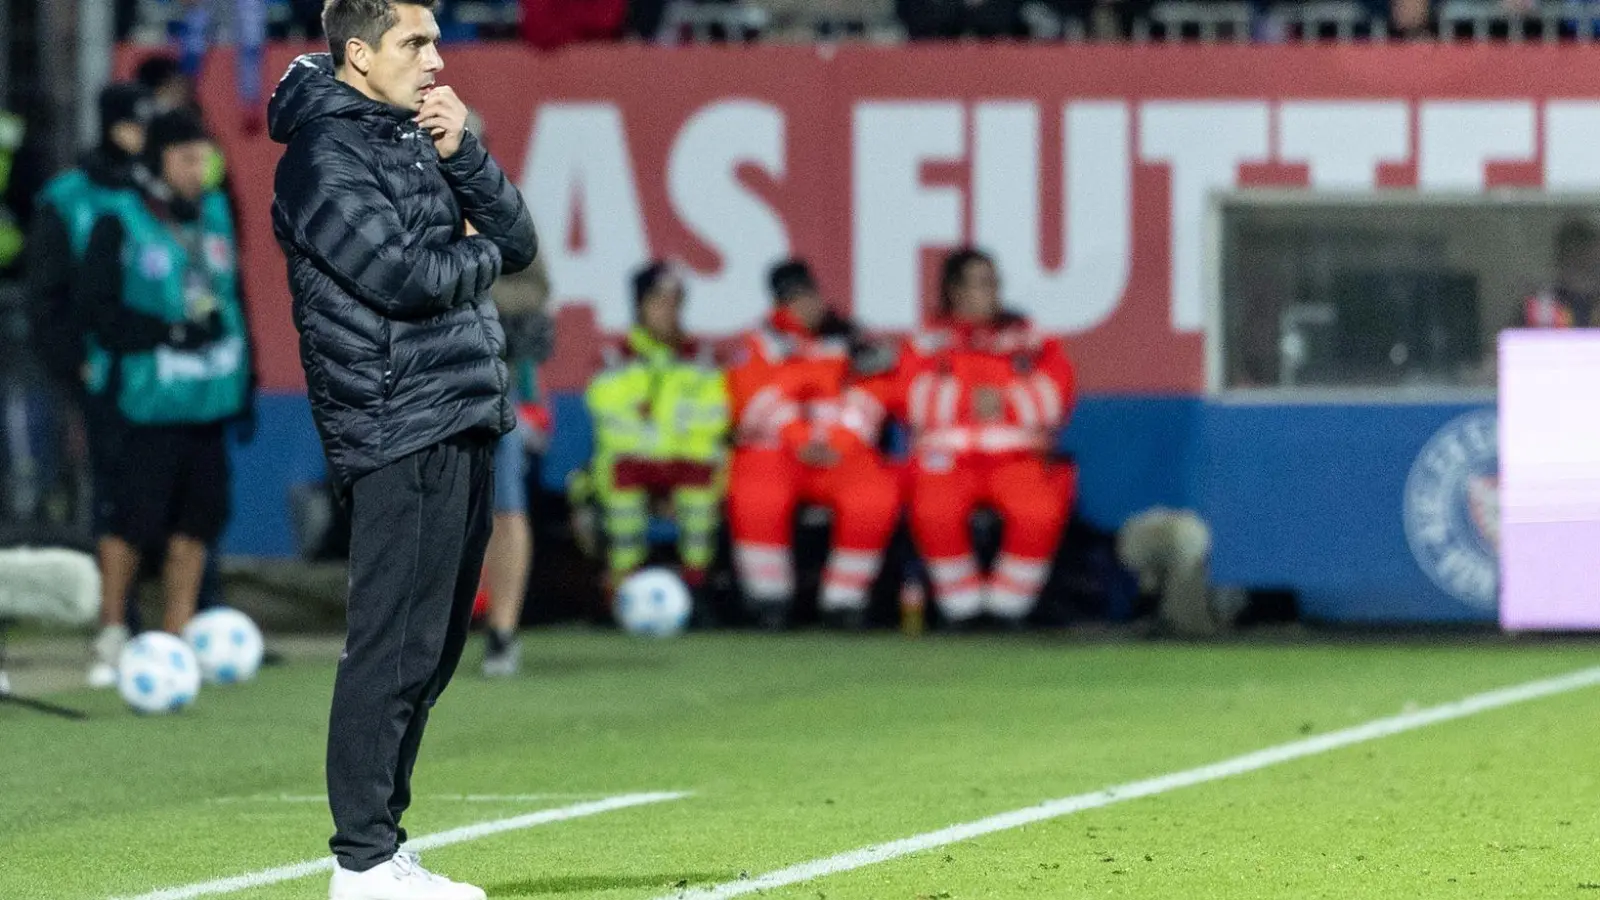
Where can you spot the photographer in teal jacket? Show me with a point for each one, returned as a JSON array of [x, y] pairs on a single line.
[[174, 368]]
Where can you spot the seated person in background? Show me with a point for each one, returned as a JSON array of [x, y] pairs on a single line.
[[985, 397], [798, 439], [660, 414], [1571, 301]]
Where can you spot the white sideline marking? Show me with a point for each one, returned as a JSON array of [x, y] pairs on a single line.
[[441, 839], [431, 798], [1066, 806]]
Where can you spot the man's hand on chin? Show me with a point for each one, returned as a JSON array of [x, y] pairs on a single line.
[[444, 117]]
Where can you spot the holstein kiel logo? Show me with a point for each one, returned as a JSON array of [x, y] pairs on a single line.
[[1452, 509]]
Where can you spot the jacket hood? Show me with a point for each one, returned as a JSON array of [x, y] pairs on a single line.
[[309, 92]]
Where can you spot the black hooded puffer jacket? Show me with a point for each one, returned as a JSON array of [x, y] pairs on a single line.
[[400, 341]]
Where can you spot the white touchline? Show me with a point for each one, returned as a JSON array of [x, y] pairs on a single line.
[[1066, 806], [441, 839]]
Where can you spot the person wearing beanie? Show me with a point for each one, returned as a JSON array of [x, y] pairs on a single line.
[[165, 313], [66, 210], [60, 229], [660, 410], [172, 134], [800, 437], [172, 88]]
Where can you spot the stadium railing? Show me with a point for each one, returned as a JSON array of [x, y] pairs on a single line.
[[463, 20], [1476, 20]]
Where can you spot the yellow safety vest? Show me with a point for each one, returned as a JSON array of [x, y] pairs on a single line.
[[658, 405], [12, 131]]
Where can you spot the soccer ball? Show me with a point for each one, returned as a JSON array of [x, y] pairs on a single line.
[[157, 673], [653, 603], [227, 644]]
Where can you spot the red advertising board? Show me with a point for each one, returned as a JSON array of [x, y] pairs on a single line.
[[1085, 169]]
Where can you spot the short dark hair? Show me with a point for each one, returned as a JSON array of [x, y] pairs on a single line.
[[649, 277], [368, 20], [788, 278], [170, 129]]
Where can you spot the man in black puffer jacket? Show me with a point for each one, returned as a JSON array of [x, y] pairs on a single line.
[[395, 222]]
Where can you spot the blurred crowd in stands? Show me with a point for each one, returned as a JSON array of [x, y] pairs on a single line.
[[549, 24]]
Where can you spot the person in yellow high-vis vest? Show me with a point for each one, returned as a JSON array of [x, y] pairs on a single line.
[[12, 131], [660, 412]]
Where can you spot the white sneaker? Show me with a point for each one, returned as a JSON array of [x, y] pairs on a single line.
[[102, 676], [107, 651], [504, 664], [401, 878]]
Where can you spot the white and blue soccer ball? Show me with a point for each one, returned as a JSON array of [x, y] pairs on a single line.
[[654, 603], [157, 673], [227, 644]]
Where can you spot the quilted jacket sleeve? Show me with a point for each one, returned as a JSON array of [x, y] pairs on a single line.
[[337, 214], [491, 202]]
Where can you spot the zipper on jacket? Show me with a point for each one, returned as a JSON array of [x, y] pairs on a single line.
[[388, 358]]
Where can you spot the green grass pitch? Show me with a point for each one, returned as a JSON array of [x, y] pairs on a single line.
[[804, 746]]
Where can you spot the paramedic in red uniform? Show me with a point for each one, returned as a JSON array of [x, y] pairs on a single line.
[[985, 397], [798, 440]]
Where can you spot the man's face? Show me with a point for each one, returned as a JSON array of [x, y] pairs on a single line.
[[658, 311], [401, 69], [975, 296], [183, 168], [808, 307]]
